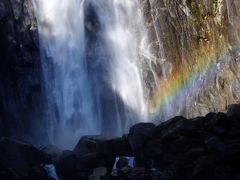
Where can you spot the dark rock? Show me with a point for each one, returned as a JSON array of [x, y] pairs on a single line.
[[122, 162], [179, 125], [99, 146], [98, 173], [218, 124], [187, 158], [20, 157], [200, 148], [67, 165], [8, 174], [120, 147], [215, 144], [3, 12], [21, 108], [154, 149], [38, 173], [233, 110], [139, 134], [71, 166], [91, 144], [200, 169], [52, 151]]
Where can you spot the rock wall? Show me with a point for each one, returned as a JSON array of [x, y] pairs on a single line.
[[186, 33], [20, 88]]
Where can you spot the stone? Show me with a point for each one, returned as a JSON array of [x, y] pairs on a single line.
[[139, 134], [215, 144], [19, 156], [200, 169], [91, 144], [100, 171], [72, 166], [122, 162], [233, 110], [52, 151], [120, 147], [178, 124], [21, 107]]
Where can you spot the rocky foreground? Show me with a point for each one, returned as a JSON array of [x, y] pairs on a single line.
[[200, 148]]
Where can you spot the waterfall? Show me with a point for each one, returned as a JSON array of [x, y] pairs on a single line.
[[91, 67]]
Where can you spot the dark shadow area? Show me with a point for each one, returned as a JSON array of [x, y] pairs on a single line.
[[20, 84]]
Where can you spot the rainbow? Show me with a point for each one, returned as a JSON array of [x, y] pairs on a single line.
[[183, 82]]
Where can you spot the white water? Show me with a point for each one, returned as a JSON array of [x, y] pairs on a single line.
[[91, 67]]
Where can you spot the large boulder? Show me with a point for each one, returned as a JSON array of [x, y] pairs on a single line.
[[139, 134], [20, 157], [233, 110], [104, 148], [176, 125], [91, 144], [52, 151], [72, 165], [120, 146]]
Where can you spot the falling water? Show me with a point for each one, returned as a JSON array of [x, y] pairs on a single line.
[[91, 67]]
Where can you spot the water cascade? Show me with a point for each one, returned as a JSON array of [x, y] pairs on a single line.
[[91, 67]]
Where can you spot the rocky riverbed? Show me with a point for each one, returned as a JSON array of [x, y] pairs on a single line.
[[200, 148]]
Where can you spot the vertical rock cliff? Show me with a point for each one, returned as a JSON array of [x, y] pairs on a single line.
[[20, 89], [195, 43]]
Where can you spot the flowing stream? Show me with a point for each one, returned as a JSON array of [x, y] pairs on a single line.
[[91, 67]]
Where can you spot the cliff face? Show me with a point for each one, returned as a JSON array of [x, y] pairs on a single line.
[[20, 88], [197, 43]]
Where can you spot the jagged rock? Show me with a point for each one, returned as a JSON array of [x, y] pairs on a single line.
[[91, 144], [139, 134], [72, 166], [98, 173], [217, 124], [122, 162], [120, 146], [171, 27], [19, 158], [52, 151], [38, 173], [215, 144], [200, 169], [179, 148], [177, 125], [20, 94], [233, 110]]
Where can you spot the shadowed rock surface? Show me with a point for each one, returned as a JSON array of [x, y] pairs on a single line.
[[178, 149], [20, 75], [20, 160]]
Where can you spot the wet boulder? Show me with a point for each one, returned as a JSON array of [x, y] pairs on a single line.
[[96, 145], [98, 173], [20, 157], [122, 162], [72, 165], [52, 151], [215, 144], [91, 144], [139, 134], [233, 110], [176, 125], [120, 146]]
